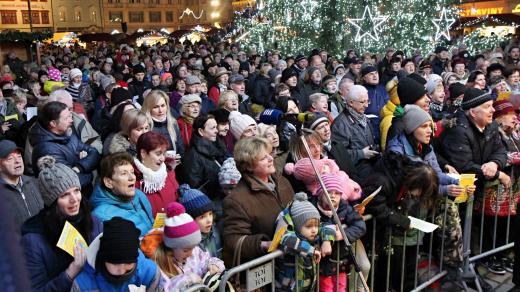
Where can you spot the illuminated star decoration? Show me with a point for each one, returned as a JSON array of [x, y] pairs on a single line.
[[308, 8], [443, 25], [368, 25]]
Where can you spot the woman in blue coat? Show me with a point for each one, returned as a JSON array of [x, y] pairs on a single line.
[[50, 268]]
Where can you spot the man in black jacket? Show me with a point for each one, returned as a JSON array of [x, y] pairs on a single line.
[[138, 85]]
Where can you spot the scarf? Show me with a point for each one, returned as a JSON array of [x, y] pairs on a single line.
[[360, 118], [116, 280], [153, 181], [188, 120], [434, 106]]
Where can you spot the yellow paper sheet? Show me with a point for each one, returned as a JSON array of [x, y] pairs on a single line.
[[465, 180], [159, 220], [69, 236], [277, 239]]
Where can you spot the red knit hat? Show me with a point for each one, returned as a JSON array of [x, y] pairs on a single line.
[[503, 107]]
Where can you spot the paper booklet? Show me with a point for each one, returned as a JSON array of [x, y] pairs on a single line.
[[68, 238], [422, 225]]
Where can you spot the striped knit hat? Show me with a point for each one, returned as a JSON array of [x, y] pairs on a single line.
[[474, 97], [332, 182], [302, 211], [180, 230]]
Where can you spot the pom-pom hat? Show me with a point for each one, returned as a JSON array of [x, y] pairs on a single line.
[[180, 230]]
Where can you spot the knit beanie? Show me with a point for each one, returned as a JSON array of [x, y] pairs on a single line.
[[229, 174], [368, 69], [418, 78], [447, 75], [105, 81], [341, 182], [433, 81], [55, 179], [456, 90], [54, 74], [189, 98], [120, 242], [75, 73], [302, 211], [194, 201], [238, 123], [119, 95], [180, 230], [409, 91], [414, 116], [316, 119], [474, 97]]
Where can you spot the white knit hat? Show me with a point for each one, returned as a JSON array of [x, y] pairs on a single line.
[[74, 73], [238, 123]]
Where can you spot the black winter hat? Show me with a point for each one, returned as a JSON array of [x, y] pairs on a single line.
[[440, 49], [495, 66], [456, 89], [474, 97], [316, 119], [221, 115], [138, 69], [287, 73], [120, 241], [119, 95], [368, 69], [409, 91], [418, 78]]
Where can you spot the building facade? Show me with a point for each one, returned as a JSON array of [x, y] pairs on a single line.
[[163, 14], [14, 15], [77, 15]]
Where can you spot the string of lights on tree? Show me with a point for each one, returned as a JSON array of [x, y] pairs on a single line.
[[363, 25]]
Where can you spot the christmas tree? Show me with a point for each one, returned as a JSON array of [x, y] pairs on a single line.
[[337, 25]]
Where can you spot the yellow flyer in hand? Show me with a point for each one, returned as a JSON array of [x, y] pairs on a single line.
[[159, 220], [68, 238], [277, 239], [465, 180]]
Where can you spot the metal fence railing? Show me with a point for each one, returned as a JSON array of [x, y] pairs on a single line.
[[428, 260]]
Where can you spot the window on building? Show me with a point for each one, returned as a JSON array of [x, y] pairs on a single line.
[[45, 17], [62, 14], [110, 1], [35, 17], [115, 15], [170, 1], [25, 16], [8, 16], [155, 16], [93, 14], [134, 16], [169, 16], [77, 14]]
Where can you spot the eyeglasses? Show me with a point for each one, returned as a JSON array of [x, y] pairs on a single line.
[[367, 102]]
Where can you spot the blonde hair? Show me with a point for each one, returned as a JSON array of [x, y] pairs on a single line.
[[149, 103], [296, 147], [132, 119], [247, 150], [165, 260], [264, 69], [224, 96]]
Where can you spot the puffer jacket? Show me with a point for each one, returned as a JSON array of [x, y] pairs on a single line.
[[402, 145], [355, 229], [467, 148], [65, 149], [378, 98], [45, 262], [251, 210], [204, 159], [105, 206], [146, 275]]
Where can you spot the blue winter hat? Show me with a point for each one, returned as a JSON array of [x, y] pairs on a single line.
[[195, 201]]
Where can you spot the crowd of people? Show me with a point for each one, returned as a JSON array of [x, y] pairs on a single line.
[[175, 162]]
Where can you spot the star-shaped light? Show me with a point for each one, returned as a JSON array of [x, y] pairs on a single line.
[[308, 8], [368, 25], [443, 25]]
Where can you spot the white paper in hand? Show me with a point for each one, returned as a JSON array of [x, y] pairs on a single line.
[[422, 225]]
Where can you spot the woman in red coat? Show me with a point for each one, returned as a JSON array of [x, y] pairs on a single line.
[[154, 174]]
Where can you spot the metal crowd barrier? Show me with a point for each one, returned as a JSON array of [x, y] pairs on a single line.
[[261, 271], [198, 287]]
